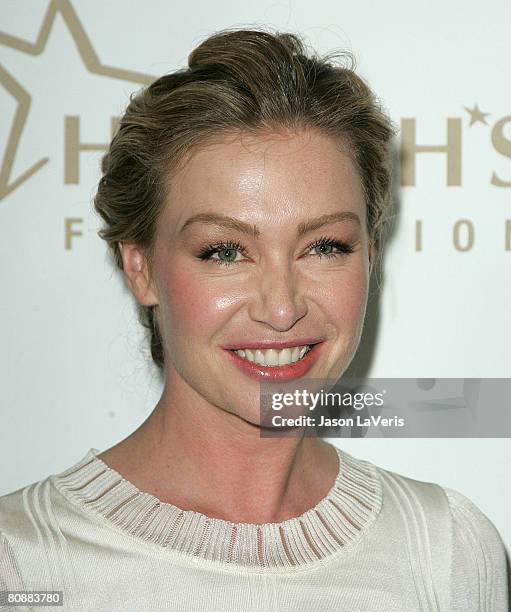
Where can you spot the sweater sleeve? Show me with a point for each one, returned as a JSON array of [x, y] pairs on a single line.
[[10, 576], [479, 564]]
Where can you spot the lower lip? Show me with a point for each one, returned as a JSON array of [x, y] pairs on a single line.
[[284, 372]]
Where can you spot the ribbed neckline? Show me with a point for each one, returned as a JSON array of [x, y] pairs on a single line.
[[331, 527]]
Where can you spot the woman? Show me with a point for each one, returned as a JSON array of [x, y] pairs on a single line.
[[244, 199]]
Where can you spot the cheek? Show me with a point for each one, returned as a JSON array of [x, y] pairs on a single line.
[[194, 306], [344, 297]]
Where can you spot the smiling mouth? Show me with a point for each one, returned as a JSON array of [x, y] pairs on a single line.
[[273, 357]]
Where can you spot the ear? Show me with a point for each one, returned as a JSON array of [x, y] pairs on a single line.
[[136, 271]]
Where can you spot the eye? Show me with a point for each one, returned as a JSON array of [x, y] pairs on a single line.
[[228, 254], [223, 253], [330, 247]]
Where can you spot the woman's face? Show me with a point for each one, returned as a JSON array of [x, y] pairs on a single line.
[[262, 243]]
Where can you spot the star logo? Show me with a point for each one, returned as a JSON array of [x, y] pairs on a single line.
[[476, 116], [91, 62]]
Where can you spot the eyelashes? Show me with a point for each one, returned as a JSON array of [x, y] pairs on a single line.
[[343, 248], [229, 249], [221, 247]]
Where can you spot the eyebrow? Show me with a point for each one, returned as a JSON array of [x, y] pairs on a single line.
[[314, 224], [252, 230]]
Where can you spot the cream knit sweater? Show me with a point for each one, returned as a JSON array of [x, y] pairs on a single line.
[[378, 542]]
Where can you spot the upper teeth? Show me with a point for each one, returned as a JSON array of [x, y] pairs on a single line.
[[272, 357]]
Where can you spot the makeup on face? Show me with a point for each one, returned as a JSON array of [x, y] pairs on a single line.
[[262, 267]]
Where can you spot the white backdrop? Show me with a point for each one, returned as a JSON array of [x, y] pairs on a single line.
[[75, 372]]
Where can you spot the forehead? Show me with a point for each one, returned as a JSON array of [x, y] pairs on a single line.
[[261, 175]]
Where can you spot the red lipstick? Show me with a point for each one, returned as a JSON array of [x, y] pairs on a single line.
[[284, 372]]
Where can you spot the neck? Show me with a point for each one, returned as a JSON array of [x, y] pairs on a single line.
[[206, 459]]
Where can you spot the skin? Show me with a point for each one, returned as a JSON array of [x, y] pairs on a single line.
[[203, 437]]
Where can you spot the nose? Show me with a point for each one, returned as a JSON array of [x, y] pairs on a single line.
[[277, 298]]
